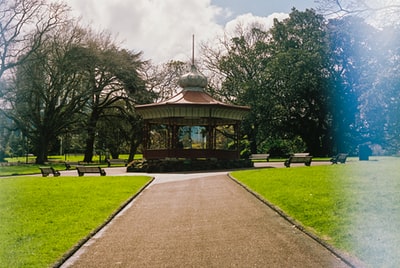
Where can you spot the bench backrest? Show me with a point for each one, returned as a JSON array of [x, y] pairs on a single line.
[[116, 160], [259, 156], [301, 154], [341, 158], [47, 169], [88, 169], [300, 159]]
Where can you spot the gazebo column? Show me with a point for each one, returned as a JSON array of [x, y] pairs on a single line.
[[211, 137], [174, 136], [214, 146], [169, 136], [146, 135], [236, 128]]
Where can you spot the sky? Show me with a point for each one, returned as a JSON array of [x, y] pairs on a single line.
[[163, 29]]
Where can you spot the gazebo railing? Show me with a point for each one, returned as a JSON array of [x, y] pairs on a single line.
[[153, 154]]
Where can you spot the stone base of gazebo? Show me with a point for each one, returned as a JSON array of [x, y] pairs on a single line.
[[176, 165]]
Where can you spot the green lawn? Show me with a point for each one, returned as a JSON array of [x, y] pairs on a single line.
[[43, 218], [56, 161], [355, 207], [28, 169]]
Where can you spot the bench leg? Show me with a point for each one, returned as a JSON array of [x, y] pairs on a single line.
[[56, 173]]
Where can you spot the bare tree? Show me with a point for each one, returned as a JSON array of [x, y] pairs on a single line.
[[363, 8], [23, 26], [162, 80]]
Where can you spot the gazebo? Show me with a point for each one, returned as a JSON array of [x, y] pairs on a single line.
[[191, 125]]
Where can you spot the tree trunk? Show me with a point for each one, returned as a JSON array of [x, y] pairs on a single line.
[[40, 158], [135, 142], [114, 154], [91, 132], [42, 151], [114, 147], [313, 141], [89, 147]]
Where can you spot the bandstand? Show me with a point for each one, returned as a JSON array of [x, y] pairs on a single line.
[[191, 125]]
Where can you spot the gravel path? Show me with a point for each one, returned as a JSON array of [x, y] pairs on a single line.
[[202, 221]]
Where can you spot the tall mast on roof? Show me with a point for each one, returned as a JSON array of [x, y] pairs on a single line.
[[193, 49], [193, 80]]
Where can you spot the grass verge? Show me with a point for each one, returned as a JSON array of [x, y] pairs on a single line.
[[42, 218], [19, 166], [355, 207], [26, 169]]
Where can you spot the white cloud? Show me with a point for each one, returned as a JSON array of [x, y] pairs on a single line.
[[162, 29], [247, 21]]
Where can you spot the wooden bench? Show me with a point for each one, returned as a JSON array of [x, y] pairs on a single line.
[[68, 165], [259, 157], [339, 158], [85, 169], [306, 159], [116, 161], [301, 154], [46, 171]]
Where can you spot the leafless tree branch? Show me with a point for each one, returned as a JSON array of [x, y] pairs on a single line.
[[356, 7], [23, 26]]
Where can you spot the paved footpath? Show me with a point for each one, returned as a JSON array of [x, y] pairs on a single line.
[[204, 221]]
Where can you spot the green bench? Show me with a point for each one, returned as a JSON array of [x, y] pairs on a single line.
[[339, 158], [86, 169], [46, 171], [299, 158], [259, 157]]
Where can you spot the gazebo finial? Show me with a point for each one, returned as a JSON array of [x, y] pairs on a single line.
[[193, 80]]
